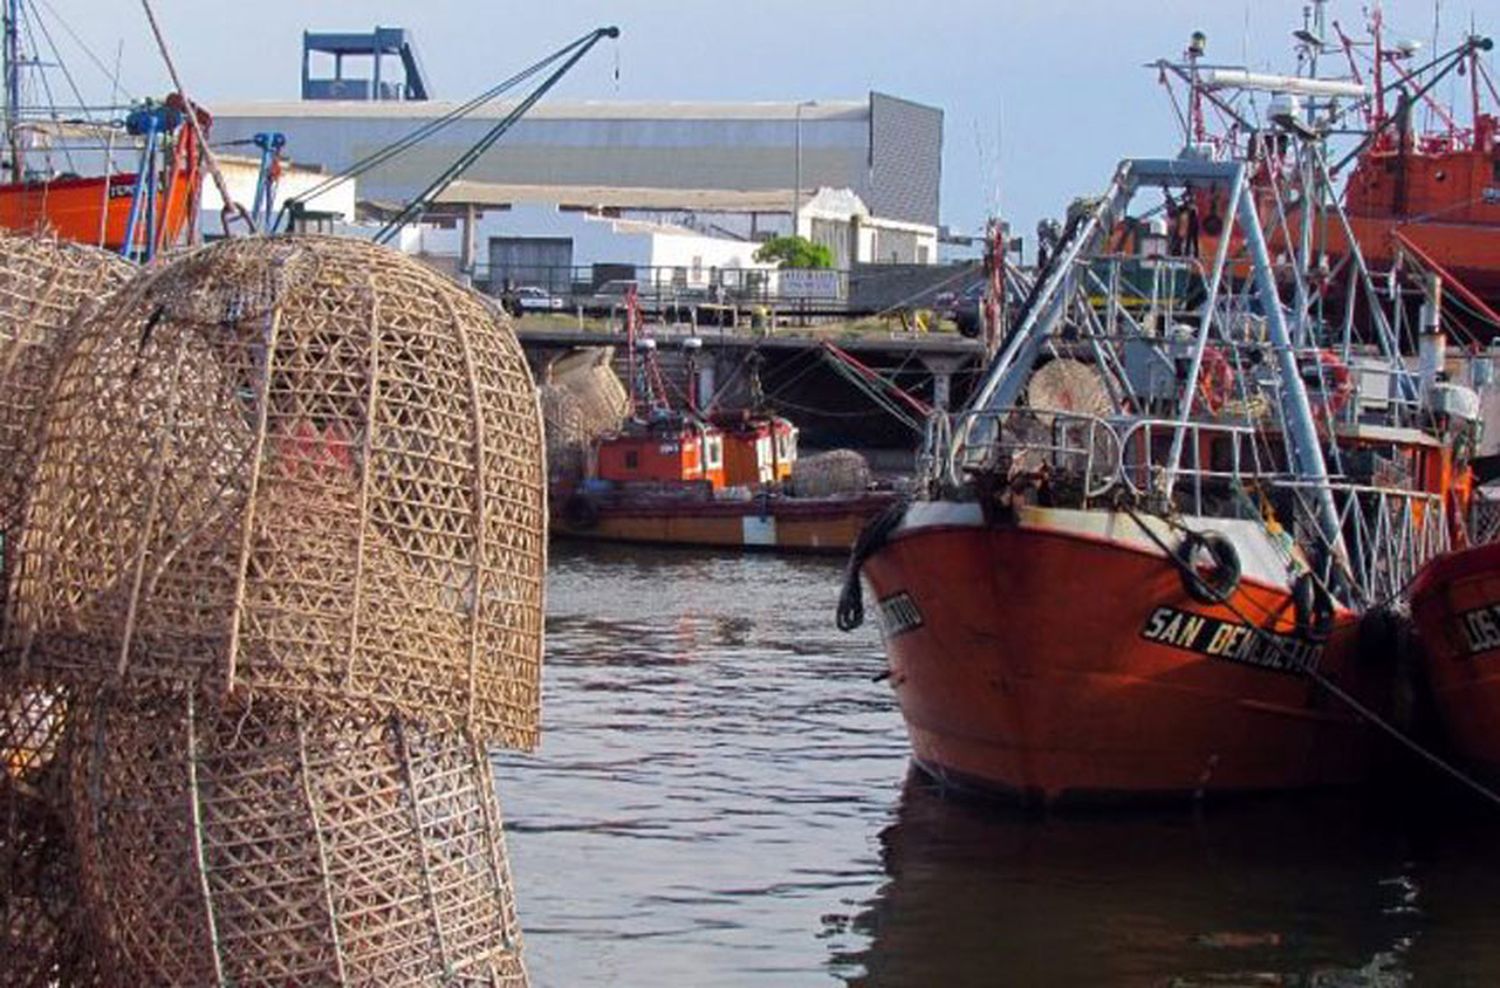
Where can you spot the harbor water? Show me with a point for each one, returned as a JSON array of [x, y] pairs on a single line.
[[722, 797]]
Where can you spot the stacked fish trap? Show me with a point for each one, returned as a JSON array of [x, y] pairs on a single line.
[[48, 289], [582, 400], [285, 539]]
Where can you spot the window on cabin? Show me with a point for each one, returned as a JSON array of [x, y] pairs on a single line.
[[1497, 169], [713, 453], [632, 460]]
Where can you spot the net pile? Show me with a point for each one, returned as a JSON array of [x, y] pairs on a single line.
[[838, 471], [252, 846], [302, 467], [582, 400], [282, 546]]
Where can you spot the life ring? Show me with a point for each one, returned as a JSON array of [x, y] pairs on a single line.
[[1335, 385], [580, 512], [1312, 607], [1215, 380], [1215, 583]]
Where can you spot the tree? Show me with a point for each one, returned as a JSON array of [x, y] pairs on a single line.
[[794, 252]]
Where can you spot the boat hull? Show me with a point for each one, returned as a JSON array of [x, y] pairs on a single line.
[[89, 210], [1455, 604], [1060, 658], [815, 525]]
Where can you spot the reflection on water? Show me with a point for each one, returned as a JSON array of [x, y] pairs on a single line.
[[721, 799]]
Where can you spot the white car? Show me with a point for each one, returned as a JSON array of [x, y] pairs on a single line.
[[532, 298]]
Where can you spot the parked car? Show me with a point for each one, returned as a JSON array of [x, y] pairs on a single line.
[[609, 295], [533, 299]]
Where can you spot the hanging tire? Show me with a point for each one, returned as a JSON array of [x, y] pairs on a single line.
[[1313, 608], [580, 512], [1218, 582]]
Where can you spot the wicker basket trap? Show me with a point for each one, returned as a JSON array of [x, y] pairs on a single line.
[[47, 288], [41, 937], [247, 845], [305, 467], [582, 400]]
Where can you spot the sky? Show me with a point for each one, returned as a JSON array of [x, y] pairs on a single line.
[[1041, 97]]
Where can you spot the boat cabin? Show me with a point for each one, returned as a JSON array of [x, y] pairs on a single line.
[[758, 451], [674, 451]]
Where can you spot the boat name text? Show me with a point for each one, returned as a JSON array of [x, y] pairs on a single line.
[[1230, 640], [1481, 628], [899, 614]]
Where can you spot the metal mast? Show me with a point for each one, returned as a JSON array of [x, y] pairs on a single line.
[[13, 86]]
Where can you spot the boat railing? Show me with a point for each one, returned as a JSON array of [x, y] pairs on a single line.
[[1192, 464], [1387, 533], [1068, 450]]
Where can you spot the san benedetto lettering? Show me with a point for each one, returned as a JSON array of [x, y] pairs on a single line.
[[1230, 640]]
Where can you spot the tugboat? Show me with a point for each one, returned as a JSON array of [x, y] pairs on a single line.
[[679, 475], [1156, 591]]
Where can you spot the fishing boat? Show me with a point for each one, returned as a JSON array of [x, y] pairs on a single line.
[[135, 213], [1424, 196], [1455, 604], [1141, 555], [690, 474]]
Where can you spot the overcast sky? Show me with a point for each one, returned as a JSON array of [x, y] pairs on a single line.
[[1041, 96]]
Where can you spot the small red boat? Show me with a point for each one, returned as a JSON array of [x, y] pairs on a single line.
[[666, 476], [1455, 603]]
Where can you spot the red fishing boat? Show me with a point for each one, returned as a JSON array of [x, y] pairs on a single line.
[[1151, 585], [135, 213], [1455, 603], [1427, 196]]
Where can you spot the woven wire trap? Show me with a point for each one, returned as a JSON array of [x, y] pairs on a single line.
[[48, 287], [41, 937], [253, 845], [305, 467]]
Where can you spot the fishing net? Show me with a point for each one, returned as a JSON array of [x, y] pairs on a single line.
[[47, 288], [838, 471], [302, 467], [251, 845], [582, 400]]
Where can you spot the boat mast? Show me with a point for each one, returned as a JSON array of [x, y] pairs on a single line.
[[13, 86]]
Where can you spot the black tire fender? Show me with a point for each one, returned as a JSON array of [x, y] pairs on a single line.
[[1219, 582]]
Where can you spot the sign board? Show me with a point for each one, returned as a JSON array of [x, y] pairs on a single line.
[[808, 283]]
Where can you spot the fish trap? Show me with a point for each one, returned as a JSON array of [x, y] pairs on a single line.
[[303, 467], [48, 287], [582, 400], [41, 937], [252, 845], [838, 471]]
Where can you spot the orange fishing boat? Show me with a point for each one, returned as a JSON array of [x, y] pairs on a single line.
[[1428, 197], [1455, 603], [135, 213], [1118, 585]]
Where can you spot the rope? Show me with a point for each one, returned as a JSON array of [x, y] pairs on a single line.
[[1343, 696], [850, 613]]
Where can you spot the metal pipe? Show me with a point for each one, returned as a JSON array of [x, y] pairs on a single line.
[[1296, 410]]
